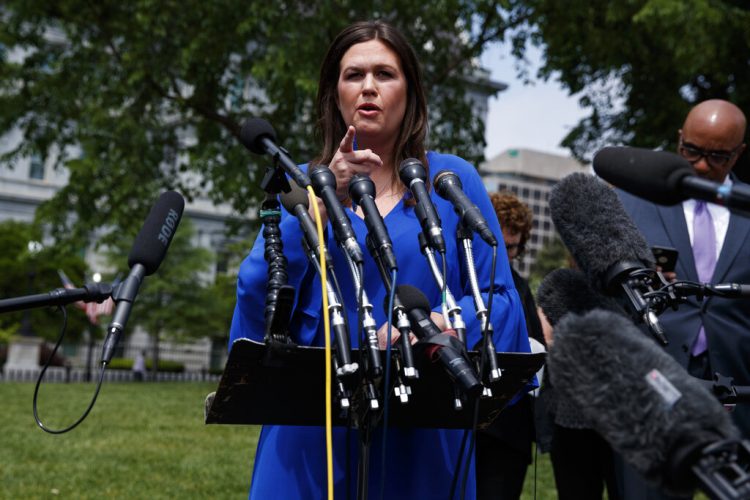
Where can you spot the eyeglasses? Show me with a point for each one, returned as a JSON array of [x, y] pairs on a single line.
[[715, 159]]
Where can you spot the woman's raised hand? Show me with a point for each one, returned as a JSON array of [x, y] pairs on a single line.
[[347, 162]]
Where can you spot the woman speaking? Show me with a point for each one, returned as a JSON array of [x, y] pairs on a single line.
[[372, 115]]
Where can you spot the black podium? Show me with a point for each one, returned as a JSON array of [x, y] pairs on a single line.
[[284, 385]]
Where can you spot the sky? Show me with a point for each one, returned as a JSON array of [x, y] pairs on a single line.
[[534, 116]]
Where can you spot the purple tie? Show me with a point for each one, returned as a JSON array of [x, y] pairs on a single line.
[[704, 252]]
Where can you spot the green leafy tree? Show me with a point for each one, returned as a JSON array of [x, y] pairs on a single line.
[[179, 302], [552, 256], [639, 65], [134, 97], [30, 270]]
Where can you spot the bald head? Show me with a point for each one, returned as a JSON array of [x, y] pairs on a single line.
[[714, 126]]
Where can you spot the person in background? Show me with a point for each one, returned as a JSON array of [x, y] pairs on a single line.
[[711, 335], [139, 366], [504, 449]]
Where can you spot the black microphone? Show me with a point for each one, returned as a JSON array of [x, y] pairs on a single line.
[[296, 202], [448, 349], [145, 257], [91, 292], [324, 184], [258, 136], [362, 192], [449, 187], [663, 422], [414, 176], [606, 244], [664, 178]]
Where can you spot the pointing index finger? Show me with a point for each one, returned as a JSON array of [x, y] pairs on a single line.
[[347, 143]]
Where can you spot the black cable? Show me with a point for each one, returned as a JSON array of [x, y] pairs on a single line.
[[387, 381], [41, 376], [482, 368], [472, 443], [536, 461], [454, 481]]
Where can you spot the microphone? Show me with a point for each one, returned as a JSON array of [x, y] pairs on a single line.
[[324, 185], [664, 178], [414, 176], [663, 422], [449, 187], [91, 292], [296, 202], [564, 291], [606, 245], [446, 348], [148, 252], [258, 136], [362, 192]]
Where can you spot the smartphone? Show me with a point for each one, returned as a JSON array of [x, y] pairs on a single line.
[[666, 257]]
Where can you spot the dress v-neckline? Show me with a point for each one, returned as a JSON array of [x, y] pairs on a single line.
[[387, 214]]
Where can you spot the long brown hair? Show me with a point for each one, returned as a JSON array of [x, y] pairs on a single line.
[[330, 124]]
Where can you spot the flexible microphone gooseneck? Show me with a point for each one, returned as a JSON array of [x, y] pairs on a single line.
[[148, 252]]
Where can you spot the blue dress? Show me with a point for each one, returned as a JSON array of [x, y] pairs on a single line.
[[290, 461]]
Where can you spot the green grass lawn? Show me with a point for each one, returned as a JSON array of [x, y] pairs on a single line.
[[140, 441]]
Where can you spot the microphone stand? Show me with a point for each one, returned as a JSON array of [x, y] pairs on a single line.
[[279, 295], [368, 414], [454, 311], [453, 317], [343, 366], [464, 236], [405, 367], [92, 292]]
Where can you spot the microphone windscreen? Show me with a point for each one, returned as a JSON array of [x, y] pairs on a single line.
[[648, 174], [153, 240], [595, 228], [295, 196], [636, 396], [568, 290], [411, 298], [252, 133]]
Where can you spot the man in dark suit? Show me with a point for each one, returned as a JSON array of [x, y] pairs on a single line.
[[712, 335]]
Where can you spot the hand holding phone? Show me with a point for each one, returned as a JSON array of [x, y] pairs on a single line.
[[666, 258]]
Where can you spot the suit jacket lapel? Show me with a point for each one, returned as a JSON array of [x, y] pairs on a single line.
[[737, 233], [673, 219]]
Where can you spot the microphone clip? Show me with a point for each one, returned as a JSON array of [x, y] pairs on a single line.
[[646, 293], [274, 181]]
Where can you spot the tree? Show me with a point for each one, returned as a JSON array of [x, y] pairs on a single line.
[[29, 271], [552, 256], [179, 301], [640, 65], [136, 97]]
